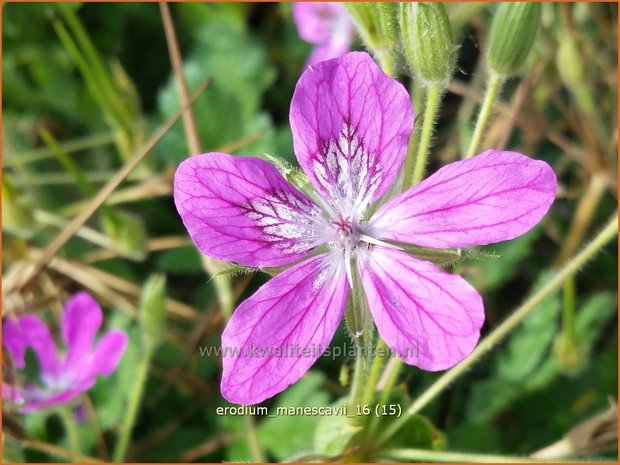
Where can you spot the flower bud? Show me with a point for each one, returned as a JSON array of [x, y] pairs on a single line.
[[513, 31], [376, 23], [293, 175], [427, 39], [153, 310]]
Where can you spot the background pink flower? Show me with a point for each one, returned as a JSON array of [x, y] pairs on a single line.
[[351, 125], [61, 379], [325, 24]]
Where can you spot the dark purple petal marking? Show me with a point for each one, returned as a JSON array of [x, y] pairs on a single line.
[[351, 125], [242, 209]]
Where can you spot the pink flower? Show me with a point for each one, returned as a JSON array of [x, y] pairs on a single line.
[[61, 378], [351, 124], [325, 24]]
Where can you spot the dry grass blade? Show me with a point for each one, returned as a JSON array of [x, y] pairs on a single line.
[[58, 451], [189, 122], [210, 446], [101, 197], [104, 283]]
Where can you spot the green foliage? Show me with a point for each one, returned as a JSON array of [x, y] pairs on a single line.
[[285, 436], [226, 53]]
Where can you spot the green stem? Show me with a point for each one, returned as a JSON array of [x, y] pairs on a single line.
[[391, 381], [375, 371], [433, 99], [99, 71], [71, 429], [359, 380], [385, 394], [568, 313], [603, 238], [494, 84], [222, 284], [68, 163], [135, 399], [423, 455], [253, 444], [29, 156]]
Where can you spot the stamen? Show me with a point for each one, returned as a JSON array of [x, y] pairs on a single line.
[[372, 240], [347, 261]]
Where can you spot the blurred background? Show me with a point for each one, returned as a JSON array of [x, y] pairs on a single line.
[[85, 85]]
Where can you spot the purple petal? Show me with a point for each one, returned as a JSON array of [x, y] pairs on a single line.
[[105, 359], [325, 24], [80, 322], [31, 331], [492, 197], [282, 329], [351, 124], [314, 20], [14, 341], [242, 209], [12, 393], [36, 398], [431, 318]]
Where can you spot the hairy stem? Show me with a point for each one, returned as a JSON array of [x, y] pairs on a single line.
[[386, 392], [494, 84], [253, 444], [360, 375], [433, 99], [375, 371], [135, 399], [71, 429], [603, 238]]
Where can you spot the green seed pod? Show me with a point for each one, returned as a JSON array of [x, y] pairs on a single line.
[[513, 31], [427, 39], [377, 25], [153, 310]]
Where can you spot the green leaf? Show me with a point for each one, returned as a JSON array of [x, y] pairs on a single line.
[[231, 108], [284, 436], [530, 342], [334, 432], [419, 433], [497, 272], [181, 260], [594, 314]]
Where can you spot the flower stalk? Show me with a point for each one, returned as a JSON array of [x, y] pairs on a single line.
[[135, 399], [375, 372], [433, 100], [609, 232], [152, 321], [71, 429], [494, 84]]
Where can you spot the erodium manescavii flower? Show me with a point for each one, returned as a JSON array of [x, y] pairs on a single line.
[[326, 25], [351, 124], [60, 378]]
